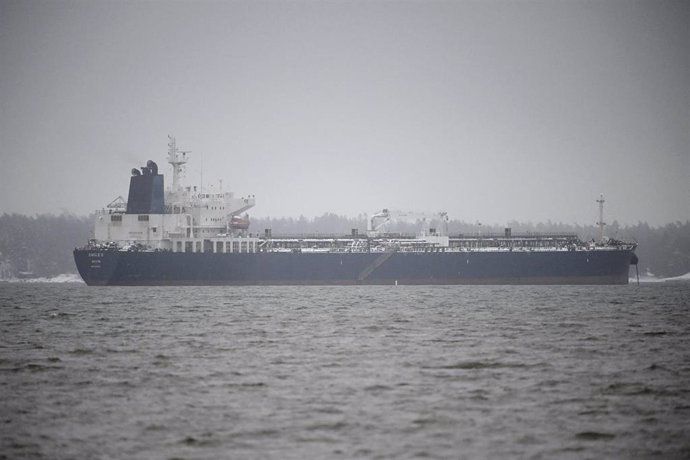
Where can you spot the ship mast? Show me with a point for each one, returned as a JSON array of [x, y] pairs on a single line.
[[601, 222], [177, 159]]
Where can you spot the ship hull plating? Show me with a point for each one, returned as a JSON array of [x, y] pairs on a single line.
[[112, 267]]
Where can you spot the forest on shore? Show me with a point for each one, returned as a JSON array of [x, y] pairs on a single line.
[[43, 243]]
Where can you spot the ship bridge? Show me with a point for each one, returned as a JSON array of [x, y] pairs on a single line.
[[184, 218]]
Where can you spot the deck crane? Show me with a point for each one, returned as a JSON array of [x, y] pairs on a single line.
[[378, 223]]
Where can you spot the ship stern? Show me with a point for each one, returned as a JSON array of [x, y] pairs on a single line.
[[96, 266]]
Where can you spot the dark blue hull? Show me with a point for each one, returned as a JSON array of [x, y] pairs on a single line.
[[108, 267]]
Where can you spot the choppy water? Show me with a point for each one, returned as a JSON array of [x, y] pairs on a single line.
[[344, 372]]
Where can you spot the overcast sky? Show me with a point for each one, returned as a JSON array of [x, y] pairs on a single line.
[[492, 111]]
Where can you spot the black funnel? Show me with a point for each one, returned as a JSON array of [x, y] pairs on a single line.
[[146, 195]]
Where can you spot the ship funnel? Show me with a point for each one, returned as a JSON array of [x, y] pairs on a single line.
[[153, 167], [146, 193]]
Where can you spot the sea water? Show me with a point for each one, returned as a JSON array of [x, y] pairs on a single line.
[[344, 372]]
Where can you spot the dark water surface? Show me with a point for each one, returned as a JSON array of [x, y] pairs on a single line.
[[345, 372]]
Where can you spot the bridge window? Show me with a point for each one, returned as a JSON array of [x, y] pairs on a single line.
[[143, 218]]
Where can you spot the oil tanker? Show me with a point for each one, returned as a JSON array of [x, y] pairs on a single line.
[[184, 235]]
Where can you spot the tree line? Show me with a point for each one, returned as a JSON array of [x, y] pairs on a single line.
[[44, 243]]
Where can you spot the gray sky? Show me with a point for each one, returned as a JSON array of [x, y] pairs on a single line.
[[491, 111]]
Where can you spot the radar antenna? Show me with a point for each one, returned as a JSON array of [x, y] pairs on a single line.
[[177, 158], [601, 222]]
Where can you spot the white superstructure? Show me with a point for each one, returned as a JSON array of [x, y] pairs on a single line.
[[193, 220], [185, 218]]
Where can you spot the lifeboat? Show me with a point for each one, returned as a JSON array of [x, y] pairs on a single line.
[[239, 223]]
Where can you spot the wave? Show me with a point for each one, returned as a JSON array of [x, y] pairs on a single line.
[[685, 277], [650, 278], [63, 278]]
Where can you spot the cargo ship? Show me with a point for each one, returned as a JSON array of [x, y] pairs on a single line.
[[185, 235]]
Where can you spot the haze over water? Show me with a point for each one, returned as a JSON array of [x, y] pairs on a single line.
[[343, 372], [492, 111]]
